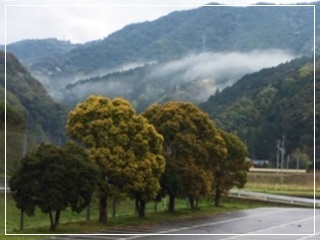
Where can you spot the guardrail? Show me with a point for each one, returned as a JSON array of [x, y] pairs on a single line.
[[2, 189], [4, 184], [276, 170], [275, 198]]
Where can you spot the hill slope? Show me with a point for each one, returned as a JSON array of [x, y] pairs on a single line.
[[28, 108], [266, 105]]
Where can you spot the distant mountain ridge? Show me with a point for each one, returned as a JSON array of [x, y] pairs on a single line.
[[32, 51], [171, 37]]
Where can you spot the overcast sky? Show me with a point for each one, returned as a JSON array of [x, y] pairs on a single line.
[[78, 22]]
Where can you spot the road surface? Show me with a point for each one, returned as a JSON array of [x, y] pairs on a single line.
[[299, 222]]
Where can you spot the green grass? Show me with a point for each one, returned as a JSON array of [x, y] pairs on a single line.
[[10, 211], [76, 223]]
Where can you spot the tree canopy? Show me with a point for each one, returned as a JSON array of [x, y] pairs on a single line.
[[124, 146], [53, 179], [188, 132], [231, 170]]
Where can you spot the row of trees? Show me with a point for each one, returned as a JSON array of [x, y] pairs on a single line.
[[173, 149]]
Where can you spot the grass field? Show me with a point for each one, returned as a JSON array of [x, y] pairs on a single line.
[[77, 223], [295, 184]]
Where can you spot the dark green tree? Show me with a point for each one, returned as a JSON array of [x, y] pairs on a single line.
[[231, 170], [53, 179]]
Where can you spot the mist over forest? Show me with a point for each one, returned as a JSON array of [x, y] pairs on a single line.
[[194, 77]]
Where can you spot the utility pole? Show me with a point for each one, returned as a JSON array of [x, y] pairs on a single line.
[[25, 144], [283, 151], [25, 147], [288, 161], [278, 151], [25, 150], [281, 148]]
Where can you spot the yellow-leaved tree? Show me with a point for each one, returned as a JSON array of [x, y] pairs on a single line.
[[124, 146], [191, 144]]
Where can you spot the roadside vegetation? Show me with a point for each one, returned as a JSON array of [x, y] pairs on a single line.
[[71, 222], [294, 184]]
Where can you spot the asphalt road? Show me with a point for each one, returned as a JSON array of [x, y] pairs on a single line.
[[289, 223]]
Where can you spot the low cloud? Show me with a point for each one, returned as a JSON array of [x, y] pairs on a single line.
[[194, 77], [231, 65], [217, 70]]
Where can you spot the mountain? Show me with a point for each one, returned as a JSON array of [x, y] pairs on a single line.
[[180, 34], [207, 28], [266, 105], [186, 55], [30, 110], [34, 51]]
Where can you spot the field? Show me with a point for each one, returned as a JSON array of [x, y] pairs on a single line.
[[290, 183], [77, 223]]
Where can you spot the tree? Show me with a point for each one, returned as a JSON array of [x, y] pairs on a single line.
[[302, 159], [232, 169], [124, 146], [187, 133], [53, 179]]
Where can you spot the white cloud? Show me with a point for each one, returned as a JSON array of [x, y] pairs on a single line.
[[195, 75], [218, 69]]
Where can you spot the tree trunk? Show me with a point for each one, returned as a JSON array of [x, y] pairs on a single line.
[[103, 212], [171, 203], [114, 207], [191, 201], [217, 195], [51, 221], [54, 221], [155, 206], [53, 227], [140, 206], [57, 219]]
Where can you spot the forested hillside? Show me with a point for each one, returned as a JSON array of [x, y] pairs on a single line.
[[177, 34], [266, 105], [31, 113]]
